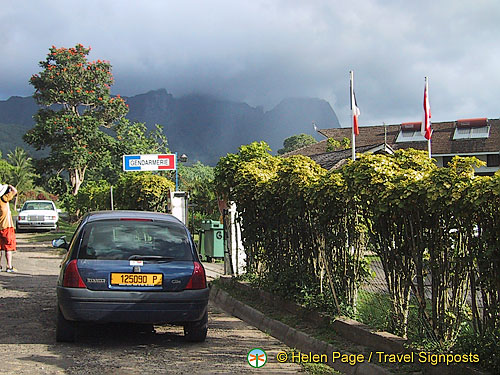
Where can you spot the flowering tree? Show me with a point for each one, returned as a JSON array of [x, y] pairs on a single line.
[[76, 100]]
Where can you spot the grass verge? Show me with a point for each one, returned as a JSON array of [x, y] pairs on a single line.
[[64, 229], [325, 333]]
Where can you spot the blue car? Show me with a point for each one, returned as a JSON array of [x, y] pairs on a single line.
[[131, 267]]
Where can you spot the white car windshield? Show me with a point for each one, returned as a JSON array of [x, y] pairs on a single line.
[[38, 206]]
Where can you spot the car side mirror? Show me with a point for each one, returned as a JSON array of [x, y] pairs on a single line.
[[60, 243]]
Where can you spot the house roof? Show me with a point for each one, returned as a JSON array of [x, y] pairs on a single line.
[[442, 139], [376, 138], [335, 159]]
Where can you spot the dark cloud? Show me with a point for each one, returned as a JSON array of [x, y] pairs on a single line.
[[263, 51]]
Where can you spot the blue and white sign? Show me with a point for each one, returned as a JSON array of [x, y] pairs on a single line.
[[149, 162]]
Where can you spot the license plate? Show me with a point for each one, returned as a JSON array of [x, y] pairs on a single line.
[[137, 279]]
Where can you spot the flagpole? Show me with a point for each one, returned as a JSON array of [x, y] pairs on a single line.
[[429, 140], [353, 137]]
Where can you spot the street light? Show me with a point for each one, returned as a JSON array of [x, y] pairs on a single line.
[[183, 158]]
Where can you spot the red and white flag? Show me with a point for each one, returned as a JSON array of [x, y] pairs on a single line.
[[426, 121], [354, 108]]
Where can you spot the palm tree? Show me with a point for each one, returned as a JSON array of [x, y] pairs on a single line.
[[5, 170], [22, 172]]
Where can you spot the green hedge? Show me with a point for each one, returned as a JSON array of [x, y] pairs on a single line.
[[306, 231], [141, 191]]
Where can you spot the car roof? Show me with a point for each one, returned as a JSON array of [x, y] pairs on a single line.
[[129, 214], [38, 200]]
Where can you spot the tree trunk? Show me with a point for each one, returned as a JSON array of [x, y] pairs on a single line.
[[76, 177]]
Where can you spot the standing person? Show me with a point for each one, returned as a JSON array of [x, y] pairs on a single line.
[[7, 234]]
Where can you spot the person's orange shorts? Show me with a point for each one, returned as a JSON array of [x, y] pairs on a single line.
[[8, 239]]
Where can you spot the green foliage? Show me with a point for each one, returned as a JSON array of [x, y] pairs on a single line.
[[19, 172], [22, 172], [485, 345], [282, 232], [68, 201], [198, 180], [36, 194], [305, 231], [135, 139], [374, 310], [334, 145], [93, 196], [129, 138], [228, 165], [295, 142], [142, 191], [57, 185], [5, 170], [77, 103]]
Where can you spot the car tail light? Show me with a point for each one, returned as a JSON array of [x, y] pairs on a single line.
[[72, 278], [197, 280], [134, 219]]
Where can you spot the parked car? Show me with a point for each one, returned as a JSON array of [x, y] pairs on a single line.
[[37, 214], [131, 267]]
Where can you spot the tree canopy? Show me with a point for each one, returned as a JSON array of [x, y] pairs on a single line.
[[295, 142], [198, 179], [335, 145], [77, 104]]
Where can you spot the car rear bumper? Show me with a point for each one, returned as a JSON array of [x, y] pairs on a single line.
[[36, 225], [132, 307]]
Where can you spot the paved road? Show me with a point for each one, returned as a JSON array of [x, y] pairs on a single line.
[[27, 334]]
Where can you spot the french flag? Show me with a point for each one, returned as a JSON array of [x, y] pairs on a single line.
[[426, 121], [354, 108]]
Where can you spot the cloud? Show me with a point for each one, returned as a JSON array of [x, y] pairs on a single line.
[[263, 51]]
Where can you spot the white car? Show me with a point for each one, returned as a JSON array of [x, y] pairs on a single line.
[[40, 214]]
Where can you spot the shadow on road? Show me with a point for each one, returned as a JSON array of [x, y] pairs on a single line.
[[28, 308]]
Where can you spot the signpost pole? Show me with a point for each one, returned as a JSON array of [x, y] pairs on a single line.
[[176, 175], [111, 193]]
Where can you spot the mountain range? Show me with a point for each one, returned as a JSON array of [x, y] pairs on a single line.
[[203, 127]]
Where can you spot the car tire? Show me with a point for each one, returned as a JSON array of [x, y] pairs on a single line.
[[65, 329], [197, 331]]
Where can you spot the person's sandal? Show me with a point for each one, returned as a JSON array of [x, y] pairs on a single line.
[[12, 269]]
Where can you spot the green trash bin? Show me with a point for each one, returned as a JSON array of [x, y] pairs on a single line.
[[211, 242]]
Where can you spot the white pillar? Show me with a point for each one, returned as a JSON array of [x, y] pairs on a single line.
[[238, 256]]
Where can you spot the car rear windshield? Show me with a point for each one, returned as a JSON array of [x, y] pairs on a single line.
[[126, 239], [38, 206]]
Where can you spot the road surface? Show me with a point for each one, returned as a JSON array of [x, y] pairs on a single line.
[[27, 333]]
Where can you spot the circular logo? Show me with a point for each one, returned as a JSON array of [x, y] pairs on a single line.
[[218, 235], [257, 358]]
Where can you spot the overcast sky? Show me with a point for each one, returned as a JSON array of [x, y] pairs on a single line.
[[260, 52]]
